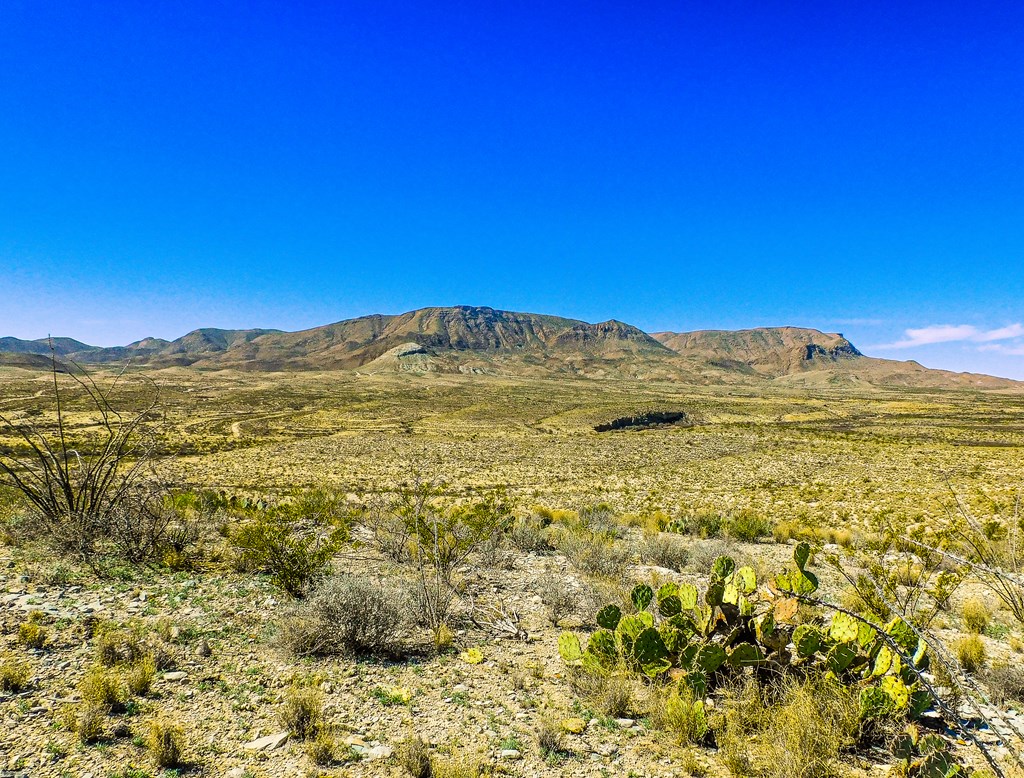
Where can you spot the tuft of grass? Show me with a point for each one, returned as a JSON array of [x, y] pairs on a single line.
[[302, 713], [970, 652], [676, 710], [139, 677], [117, 647], [976, 615], [414, 756], [322, 749], [14, 674], [454, 766], [33, 635], [101, 689], [90, 724], [791, 730], [549, 738], [165, 743]]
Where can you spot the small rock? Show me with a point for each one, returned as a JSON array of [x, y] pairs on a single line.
[[177, 675], [510, 754], [625, 723], [268, 743], [379, 752]]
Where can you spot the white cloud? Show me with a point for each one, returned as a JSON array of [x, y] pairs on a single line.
[[1003, 333], [1001, 348], [954, 333]]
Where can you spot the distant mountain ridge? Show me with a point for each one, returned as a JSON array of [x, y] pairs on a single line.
[[472, 339]]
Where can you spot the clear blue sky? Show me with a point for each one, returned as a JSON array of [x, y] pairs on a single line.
[[847, 166]]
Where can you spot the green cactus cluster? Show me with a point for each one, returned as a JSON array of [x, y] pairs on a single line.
[[679, 634]]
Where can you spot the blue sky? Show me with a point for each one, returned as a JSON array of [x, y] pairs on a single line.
[[850, 167]]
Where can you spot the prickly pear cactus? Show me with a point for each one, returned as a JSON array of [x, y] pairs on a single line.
[[641, 596], [608, 617], [569, 648]]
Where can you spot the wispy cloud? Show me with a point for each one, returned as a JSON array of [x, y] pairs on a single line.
[[1002, 348], [954, 333]]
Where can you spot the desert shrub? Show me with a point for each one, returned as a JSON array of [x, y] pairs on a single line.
[[562, 597], [530, 533], [14, 674], [612, 693], [302, 712], [414, 756], [600, 519], [92, 495], [90, 724], [322, 749], [1005, 683], [33, 635], [454, 766], [976, 615], [101, 688], [549, 737], [349, 615], [592, 552], [970, 652], [703, 554], [118, 646], [796, 730], [675, 709], [703, 524], [748, 526], [294, 554], [139, 677], [165, 743], [663, 549]]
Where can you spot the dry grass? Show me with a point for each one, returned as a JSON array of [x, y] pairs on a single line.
[[165, 743], [976, 615], [971, 653], [302, 712], [14, 673]]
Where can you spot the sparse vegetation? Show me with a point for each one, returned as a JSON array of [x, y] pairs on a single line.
[[348, 615], [165, 743], [302, 712], [415, 550]]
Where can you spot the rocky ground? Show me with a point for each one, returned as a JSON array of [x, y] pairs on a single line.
[[225, 674]]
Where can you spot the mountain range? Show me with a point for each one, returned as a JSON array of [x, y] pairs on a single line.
[[470, 339]]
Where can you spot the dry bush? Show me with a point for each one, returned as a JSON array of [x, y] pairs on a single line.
[[703, 554], [663, 549], [675, 709], [33, 635], [118, 646], [90, 724], [348, 615], [549, 737], [101, 688], [414, 756], [614, 693], [564, 598], [165, 743], [592, 552], [322, 749], [796, 730], [139, 677], [971, 653], [530, 534], [14, 674], [454, 766], [302, 712], [976, 615], [1005, 683]]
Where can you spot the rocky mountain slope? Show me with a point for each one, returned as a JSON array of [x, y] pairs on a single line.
[[471, 339]]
